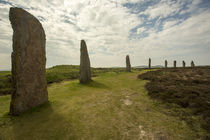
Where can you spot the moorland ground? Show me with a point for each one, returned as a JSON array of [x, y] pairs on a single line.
[[188, 88], [115, 105]]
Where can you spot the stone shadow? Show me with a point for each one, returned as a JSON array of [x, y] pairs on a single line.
[[42, 122]]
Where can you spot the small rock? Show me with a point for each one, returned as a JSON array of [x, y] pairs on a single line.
[[127, 102]]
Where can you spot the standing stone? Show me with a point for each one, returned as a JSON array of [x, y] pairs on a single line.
[[183, 64], [28, 62], [128, 64], [166, 63], [85, 72], [149, 63], [174, 63], [192, 64]]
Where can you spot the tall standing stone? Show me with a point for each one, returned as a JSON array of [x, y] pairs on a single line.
[[192, 64], [166, 63], [28, 62], [183, 64], [128, 64], [174, 63], [85, 71], [149, 63]]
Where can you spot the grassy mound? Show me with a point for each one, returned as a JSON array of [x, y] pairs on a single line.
[[54, 74], [186, 87], [62, 72]]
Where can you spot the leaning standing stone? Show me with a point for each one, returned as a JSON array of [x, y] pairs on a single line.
[[174, 63], [183, 64], [85, 71], [28, 62], [128, 64]]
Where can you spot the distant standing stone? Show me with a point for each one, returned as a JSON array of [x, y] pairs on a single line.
[[28, 62], [183, 64], [85, 71], [166, 63], [128, 64], [149, 63], [174, 63], [192, 64]]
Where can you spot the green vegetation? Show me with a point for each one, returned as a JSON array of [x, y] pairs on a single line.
[[5, 82], [67, 72], [62, 72], [184, 90], [113, 106], [54, 74]]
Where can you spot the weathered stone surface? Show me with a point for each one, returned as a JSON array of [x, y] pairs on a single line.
[[28, 62], [174, 63], [128, 64], [166, 63], [183, 64], [192, 64], [149, 63], [85, 71]]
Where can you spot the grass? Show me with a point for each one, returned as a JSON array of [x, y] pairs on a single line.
[[186, 91], [54, 74], [62, 72], [113, 106], [5, 82]]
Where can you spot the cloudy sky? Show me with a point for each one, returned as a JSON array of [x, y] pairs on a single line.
[[160, 29]]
